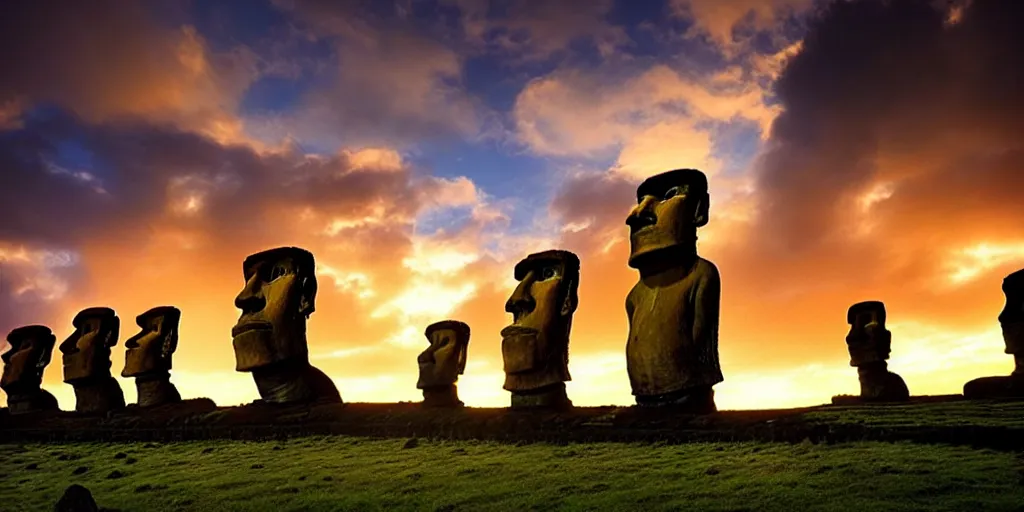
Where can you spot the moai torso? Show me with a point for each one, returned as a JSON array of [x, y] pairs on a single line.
[[673, 331]]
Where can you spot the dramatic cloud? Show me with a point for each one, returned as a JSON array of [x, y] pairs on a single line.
[[389, 80], [110, 58], [575, 113]]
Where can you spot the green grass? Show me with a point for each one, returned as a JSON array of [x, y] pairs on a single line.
[[344, 473], [964, 413]]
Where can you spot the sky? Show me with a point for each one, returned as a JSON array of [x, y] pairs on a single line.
[[856, 150]]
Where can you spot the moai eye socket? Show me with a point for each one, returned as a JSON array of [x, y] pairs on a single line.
[[672, 192], [549, 273]]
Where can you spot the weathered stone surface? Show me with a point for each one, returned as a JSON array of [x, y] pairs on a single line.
[[86, 358], [148, 356], [270, 337], [442, 362], [30, 352], [1011, 320], [673, 310], [535, 347]]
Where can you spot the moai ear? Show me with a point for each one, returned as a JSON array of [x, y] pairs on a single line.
[[700, 216], [571, 301], [462, 357], [44, 358], [170, 344], [307, 296], [115, 331]]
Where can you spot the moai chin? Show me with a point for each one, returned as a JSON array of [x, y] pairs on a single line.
[[24, 363], [535, 348], [1011, 321], [673, 310], [442, 362], [148, 356], [86, 358], [869, 343], [270, 337]]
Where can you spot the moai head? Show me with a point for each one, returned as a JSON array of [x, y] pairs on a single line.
[[150, 350], [28, 356], [278, 297], [1011, 318], [86, 353], [542, 306], [869, 341], [670, 207], [445, 359]]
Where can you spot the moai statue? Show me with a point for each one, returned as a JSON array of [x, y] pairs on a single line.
[[442, 363], [86, 355], [1011, 319], [148, 356], [869, 344], [24, 363], [672, 350], [535, 348], [270, 336]]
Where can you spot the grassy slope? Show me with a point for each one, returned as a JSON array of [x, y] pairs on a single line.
[[341, 473]]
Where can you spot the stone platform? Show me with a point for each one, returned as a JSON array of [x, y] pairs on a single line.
[[988, 424]]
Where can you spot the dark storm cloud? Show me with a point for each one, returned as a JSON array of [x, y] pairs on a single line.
[[891, 91]]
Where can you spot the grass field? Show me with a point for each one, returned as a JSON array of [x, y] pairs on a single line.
[[344, 473]]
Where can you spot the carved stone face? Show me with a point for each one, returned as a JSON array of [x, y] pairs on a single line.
[[86, 353], [1011, 318], [150, 350], [868, 341], [670, 207], [279, 294], [542, 307], [28, 356], [445, 359]]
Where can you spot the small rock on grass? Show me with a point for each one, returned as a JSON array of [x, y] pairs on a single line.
[[76, 499]]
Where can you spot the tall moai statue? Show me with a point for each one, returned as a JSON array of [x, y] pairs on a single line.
[[442, 363], [148, 356], [1011, 320], [24, 363], [270, 337], [672, 350], [535, 348], [869, 343], [86, 358]]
